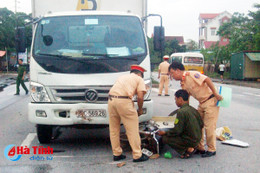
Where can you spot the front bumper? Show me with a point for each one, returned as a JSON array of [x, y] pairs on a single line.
[[64, 114]]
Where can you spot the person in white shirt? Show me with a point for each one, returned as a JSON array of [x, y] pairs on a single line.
[[221, 68]]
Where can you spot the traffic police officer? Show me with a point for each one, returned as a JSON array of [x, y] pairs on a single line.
[[202, 89], [121, 108], [163, 75], [186, 134], [20, 78]]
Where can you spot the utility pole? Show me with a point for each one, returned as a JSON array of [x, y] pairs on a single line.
[[6, 59], [15, 6]]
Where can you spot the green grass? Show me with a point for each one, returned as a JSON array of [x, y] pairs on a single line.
[[216, 75], [154, 81]]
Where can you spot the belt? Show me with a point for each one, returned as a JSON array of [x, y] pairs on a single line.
[[164, 73], [211, 96], [119, 97]]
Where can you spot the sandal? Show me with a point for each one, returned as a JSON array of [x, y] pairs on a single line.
[[187, 154]]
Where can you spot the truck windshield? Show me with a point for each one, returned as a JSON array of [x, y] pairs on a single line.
[[89, 44]]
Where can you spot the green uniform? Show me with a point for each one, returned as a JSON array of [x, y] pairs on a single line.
[[19, 80], [187, 130]]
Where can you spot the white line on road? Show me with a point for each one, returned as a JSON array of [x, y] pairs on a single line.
[[84, 156], [174, 90], [28, 140], [252, 94], [114, 163], [102, 156], [157, 90]]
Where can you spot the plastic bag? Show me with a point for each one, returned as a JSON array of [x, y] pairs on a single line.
[[223, 133]]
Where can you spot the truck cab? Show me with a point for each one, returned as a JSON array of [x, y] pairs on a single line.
[[76, 57]]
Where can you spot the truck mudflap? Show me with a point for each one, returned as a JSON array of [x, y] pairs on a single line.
[[73, 114]]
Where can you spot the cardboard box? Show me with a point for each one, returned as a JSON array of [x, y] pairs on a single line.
[[164, 122]]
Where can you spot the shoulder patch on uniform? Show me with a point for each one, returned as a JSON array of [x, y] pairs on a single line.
[[176, 121], [197, 75]]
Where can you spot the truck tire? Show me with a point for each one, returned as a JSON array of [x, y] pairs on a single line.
[[44, 133]]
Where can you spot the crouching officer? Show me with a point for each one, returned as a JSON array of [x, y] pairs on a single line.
[[121, 108], [186, 134], [163, 75]]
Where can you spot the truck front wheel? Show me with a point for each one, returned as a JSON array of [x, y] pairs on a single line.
[[44, 133]]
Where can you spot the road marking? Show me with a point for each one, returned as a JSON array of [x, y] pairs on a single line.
[[240, 95], [28, 140], [86, 156], [116, 162], [251, 94], [110, 163], [157, 90], [174, 90]]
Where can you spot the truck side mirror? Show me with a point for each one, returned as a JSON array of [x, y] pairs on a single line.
[[20, 39], [158, 38]]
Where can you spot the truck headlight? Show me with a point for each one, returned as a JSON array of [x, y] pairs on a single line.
[[38, 93], [148, 85]]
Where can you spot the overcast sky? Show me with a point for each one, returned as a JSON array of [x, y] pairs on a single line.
[[180, 17]]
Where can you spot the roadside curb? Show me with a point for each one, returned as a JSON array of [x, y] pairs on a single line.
[[252, 84]]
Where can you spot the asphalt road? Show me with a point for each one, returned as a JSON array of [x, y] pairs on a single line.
[[89, 150]]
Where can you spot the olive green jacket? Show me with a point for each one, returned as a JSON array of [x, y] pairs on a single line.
[[188, 125], [21, 70]]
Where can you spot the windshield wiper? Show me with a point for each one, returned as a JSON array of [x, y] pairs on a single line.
[[64, 57], [112, 56], [56, 55], [96, 54]]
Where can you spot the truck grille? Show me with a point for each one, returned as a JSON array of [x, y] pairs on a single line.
[[77, 94]]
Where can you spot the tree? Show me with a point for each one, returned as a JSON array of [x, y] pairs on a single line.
[[192, 45], [170, 47], [242, 31], [173, 46], [7, 29], [154, 55], [9, 21], [256, 26]]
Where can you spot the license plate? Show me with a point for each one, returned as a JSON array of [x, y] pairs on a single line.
[[91, 113]]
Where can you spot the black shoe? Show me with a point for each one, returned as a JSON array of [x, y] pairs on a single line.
[[167, 95], [209, 154], [16, 94], [159, 94], [200, 152], [117, 158], [142, 158], [26, 92]]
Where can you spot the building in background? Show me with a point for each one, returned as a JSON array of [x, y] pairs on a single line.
[[209, 24], [180, 39]]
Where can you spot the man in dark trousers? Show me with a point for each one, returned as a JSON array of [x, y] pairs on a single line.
[[20, 78], [186, 134]]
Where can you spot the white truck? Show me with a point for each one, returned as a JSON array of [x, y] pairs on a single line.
[[76, 57]]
